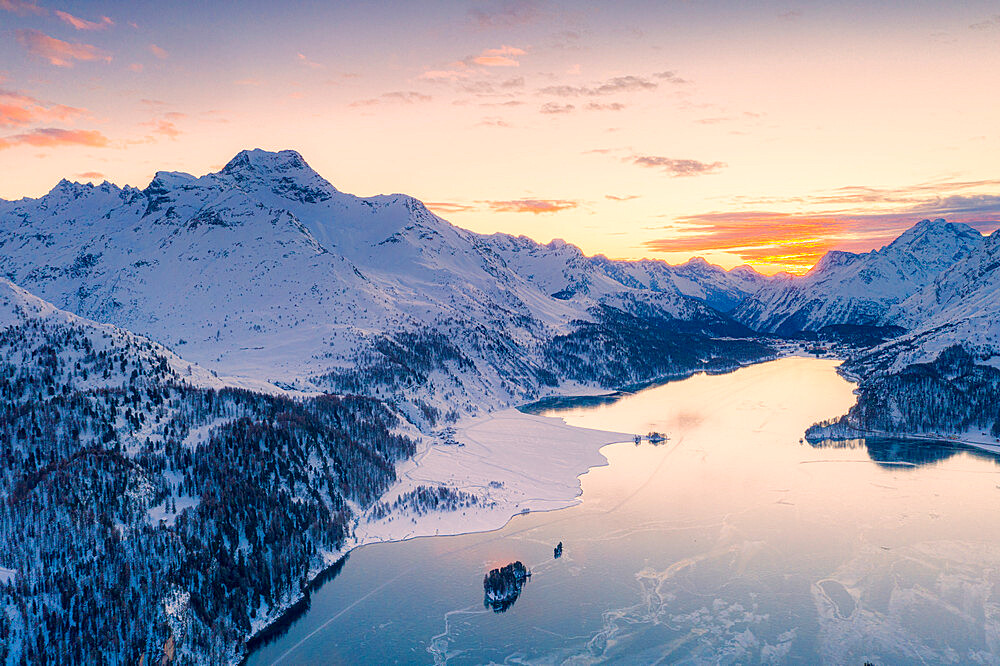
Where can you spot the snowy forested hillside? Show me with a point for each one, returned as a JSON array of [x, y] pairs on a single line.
[[941, 376], [148, 508]]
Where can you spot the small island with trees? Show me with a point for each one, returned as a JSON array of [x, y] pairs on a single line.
[[503, 586]]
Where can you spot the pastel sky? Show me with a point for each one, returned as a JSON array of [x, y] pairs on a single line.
[[745, 132]]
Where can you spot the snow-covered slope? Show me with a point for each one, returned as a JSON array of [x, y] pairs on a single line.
[[848, 288], [562, 270], [266, 270], [961, 306], [29, 324]]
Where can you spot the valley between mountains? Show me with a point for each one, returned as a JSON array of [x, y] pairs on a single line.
[[213, 387]]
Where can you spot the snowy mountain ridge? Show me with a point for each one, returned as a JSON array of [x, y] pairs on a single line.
[[265, 270], [862, 289]]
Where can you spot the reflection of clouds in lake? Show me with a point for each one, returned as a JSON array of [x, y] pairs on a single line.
[[932, 602], [686, 420]]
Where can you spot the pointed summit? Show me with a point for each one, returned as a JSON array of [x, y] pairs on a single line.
[[934, 231], [263, 161], [936, 244], [284, 172]]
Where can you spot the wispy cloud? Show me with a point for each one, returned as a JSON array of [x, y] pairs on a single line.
[[987, 24], [597, 106], [18, 110], [553, 107], [501, 57], [493, 122], [796, 240], [56, 51], [395, 97], [618, 84], [677, 168], [83, 24], [671, 76], [307, 62], [504, 13], [22, 7], [163, 127], [158, 51], [446, 207], [504, 56], [626, 197], [535, 206], [91, 175], [48, 137]]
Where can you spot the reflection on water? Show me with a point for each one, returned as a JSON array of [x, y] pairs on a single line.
[[889, 451], [732, 542]]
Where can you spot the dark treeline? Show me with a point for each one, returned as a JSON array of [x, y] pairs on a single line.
[[623, 347], [953, 393], [636, 342], [96, 440], [424, 499]]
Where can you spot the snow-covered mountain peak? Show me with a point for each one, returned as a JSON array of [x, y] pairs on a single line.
[[833, 259], [284, 172], [849, 288], [263, 161], [930, 229], [940, 241], [696, 261], [746, 272], [68, 189]]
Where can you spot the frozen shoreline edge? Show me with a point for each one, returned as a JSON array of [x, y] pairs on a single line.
[[481, 521], [335, 559]]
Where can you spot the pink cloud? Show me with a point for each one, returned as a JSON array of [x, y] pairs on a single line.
[[449, 207], [500, 57], [164, 128], [22, 7], [159, 52], [307, 62], [48, 137], [504, 13], [535, 206], [677, 168], [56, 51], [460, 71], [91, 175], [496, 61], [83, 24], [397, 97], [17, 110], [505, 56]]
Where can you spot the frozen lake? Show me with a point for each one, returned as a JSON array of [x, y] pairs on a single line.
[[732, 542]]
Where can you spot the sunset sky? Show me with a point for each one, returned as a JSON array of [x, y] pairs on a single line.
[[757, 132]]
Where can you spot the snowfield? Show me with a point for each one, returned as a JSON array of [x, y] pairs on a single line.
[[515, 462]]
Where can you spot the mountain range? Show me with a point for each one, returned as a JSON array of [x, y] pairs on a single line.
[[265, 270], [211, 380]]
